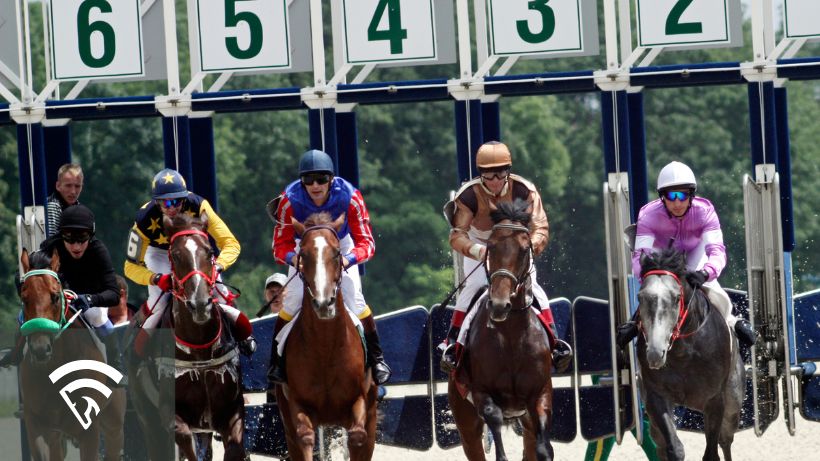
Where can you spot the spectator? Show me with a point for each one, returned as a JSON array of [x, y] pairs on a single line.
[[123, 311], [67, 192], [274, 294]]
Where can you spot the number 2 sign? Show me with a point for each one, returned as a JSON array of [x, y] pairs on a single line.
[[684, 22], [388, 31], [95, 39]]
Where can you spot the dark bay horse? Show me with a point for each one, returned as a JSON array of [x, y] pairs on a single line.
[[65, 384], [507, 363], [207, 388], [328, 383], [688, 356]]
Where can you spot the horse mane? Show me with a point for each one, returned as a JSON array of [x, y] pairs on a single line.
[[668, 259], [514, 211], [39, 260], [317, 219]]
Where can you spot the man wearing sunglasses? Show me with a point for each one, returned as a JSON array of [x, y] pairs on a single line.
[[318, 190], [147, 260], [680, 220], [471, 225]]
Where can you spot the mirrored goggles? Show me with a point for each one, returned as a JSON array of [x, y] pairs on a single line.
[[309, 179], [170, 202], [673, 195]]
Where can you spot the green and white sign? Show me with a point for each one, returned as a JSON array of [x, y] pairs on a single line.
[[801, 18], [383, 31], [684, 22], [536, 26], [95, 39], [242, 34]]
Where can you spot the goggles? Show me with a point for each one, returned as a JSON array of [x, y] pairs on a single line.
[[496, 173], [169, 202], [76, 238], [321, 179], [673, 195]]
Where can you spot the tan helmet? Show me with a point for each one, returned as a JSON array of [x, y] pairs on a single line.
[[493, 154]]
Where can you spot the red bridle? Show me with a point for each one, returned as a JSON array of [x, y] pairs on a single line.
[[683, 311]]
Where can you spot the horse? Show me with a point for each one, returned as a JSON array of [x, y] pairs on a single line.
[[688, 356], [507, 362], [328, 383], [207, 386], [59, 349]]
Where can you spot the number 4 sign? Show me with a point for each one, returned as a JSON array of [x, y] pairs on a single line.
[[377, 31], [95, 39]]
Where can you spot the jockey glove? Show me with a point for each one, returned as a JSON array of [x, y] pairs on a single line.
[[697, 278], [163, 281], [81, 303]]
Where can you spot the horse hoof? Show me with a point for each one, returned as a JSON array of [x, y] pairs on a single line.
[[356, 437]]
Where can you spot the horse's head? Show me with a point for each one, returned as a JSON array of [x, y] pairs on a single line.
[[509, 259], [192, 264], [43, 303], [661, 302], [320, 261]]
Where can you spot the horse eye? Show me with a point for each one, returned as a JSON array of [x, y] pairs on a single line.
[[55, 298]]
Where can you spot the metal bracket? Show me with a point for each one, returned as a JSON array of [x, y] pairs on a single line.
[[758, 71], [611, 80], [465, 89], [319, 97], [173, 106], [28, 113]]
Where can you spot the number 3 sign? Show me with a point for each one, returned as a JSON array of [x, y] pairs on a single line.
[[95, 39]]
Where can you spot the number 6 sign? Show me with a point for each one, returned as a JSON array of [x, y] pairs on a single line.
[[95, 39]]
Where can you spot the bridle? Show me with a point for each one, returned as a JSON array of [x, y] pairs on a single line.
[[40, 324], [683, 310], [519, 279], [299, 258]]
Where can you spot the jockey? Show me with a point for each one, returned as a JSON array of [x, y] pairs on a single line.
[[147, 260], [688, 223], [318, 190], [86, 268], [471, 226]]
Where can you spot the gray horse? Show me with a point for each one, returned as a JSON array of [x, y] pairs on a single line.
[[688, 356]]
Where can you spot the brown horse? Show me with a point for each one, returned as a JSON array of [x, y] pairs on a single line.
[[507, 361], [80, 403], [328, 383]]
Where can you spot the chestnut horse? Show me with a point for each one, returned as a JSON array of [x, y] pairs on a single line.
[[507, 361], [328, 383], [55, 338]]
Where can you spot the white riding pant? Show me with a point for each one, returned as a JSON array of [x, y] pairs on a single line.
[[156, 260], [478, 280], [351, 287], [96, 316], [720, 300]]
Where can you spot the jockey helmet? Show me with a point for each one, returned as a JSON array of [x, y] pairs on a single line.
[[168, 184], [315, 161], [493, 154], [77, 217], [676, 174]]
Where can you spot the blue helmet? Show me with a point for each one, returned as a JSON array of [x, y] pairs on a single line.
[[168, 184], [315, 161]]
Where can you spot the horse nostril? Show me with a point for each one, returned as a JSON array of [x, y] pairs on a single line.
[[508, 306], [190, 305], [316, 304], [332, 301]]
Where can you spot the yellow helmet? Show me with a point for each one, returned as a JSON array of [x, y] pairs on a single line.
[[493, 154]]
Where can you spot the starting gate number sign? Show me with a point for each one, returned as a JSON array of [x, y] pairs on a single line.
[[388, 30], [95, 39], [535, 26], [683, 22], [802, 18], [242, 34]]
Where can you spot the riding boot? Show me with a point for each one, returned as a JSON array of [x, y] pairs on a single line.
[[561, 350], [745, 333], [113, 353], [448, 349], [276, 370], [247, 346], [627, 331], [14, 356], [375, 358]]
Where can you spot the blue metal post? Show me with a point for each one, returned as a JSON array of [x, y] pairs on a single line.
[[762, 128], [348, 144], [639, 177], [324, 121], [784, 166], [58, 151], [491, 121], [31, 165], [616, 131], [469, 136], [203, 156], [176, 139]]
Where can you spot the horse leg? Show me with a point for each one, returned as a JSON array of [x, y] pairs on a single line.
[[112, 421], [733, 400], [712, 422], [364, 452], [232, 438], [494, 417], [356, 434], [539, 416], [663, 428], [90, 444], [470, 425], [185, 440], [302, 431]]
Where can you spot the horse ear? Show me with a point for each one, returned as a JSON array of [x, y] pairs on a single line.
[[24, 261], [297, 226], [204, 218], [167, 223], [338, 223], [55, 260]]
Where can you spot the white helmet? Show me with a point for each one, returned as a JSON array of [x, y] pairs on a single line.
[[676, 174]]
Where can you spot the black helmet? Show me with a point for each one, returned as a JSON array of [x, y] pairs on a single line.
[[315, 161], [78, 217]]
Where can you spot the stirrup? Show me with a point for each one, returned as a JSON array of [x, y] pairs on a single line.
[[381, 372], [448, 360]]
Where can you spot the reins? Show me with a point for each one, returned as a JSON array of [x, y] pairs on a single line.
[[683, 310]]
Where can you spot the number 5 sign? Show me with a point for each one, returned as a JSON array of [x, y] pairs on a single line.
[[687, 22], [95, 39]]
